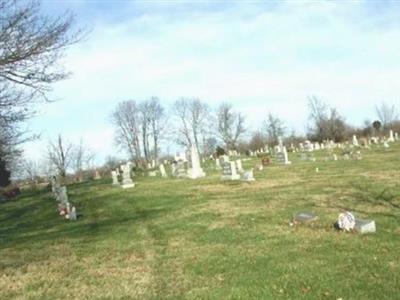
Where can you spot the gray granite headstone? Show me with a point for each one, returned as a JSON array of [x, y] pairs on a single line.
[[365, 226], [305, 217]]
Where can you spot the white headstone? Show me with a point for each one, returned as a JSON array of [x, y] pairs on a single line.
[[239, 166], [72, 214], [126, 177], [365, 226], [114, 177], [249, 176], [355, 141], [346, 221], [229, 171], [196, 171], [217, 164], [391, 137], [162, 171]]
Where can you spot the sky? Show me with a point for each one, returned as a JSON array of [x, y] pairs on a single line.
[[260, 56]]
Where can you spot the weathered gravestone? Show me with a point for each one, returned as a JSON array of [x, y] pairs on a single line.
[[126, 177], [248, 176], [239, 166], [114, 177], [180, 169], [365, 226], [196, 171], [162, 171], [229, 171], [305, 217], [282, 157]]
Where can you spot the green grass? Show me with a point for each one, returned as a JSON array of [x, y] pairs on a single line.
[[207, 239]]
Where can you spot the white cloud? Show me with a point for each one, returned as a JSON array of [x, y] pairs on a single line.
[[259, 59]]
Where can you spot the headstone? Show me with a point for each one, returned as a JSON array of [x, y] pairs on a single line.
[[308, 146], [217, 164], [96, 175], [126, 177], [365, 226], [346, 221], [196, 171], [72, 214], [173, 170], [265, 161], [62, 195], [162, 171], [239, 166], [355, 141], [305, 217], [249, 176], [282, 157], [114, 177], [229, 171], [180, 169], [385, 144], [391, 137], [152, 173], [396, 136], [280, 144]]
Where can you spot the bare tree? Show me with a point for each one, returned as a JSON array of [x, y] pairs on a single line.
[[230, 125], [274, 128], [126, 119], [60, 154], [157, 120], [30, 47], [257, 141], [144, 120], [82, 157], [326, 123], [387, 114], [191, 116]]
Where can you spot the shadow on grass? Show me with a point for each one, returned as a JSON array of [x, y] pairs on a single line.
[[377, 195]]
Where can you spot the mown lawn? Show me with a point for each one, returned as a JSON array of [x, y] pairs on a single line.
[[207, 239]]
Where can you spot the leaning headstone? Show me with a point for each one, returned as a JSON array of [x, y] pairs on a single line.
[[62, 195], [365, 226], [305, 217], [229, 171], [126, 177], [196, 171], [114, 177]]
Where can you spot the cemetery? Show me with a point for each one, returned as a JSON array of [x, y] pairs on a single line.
[[199, 149], [287, 233]]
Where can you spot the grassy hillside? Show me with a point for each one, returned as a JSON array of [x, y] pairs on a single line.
[[207, 239]]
